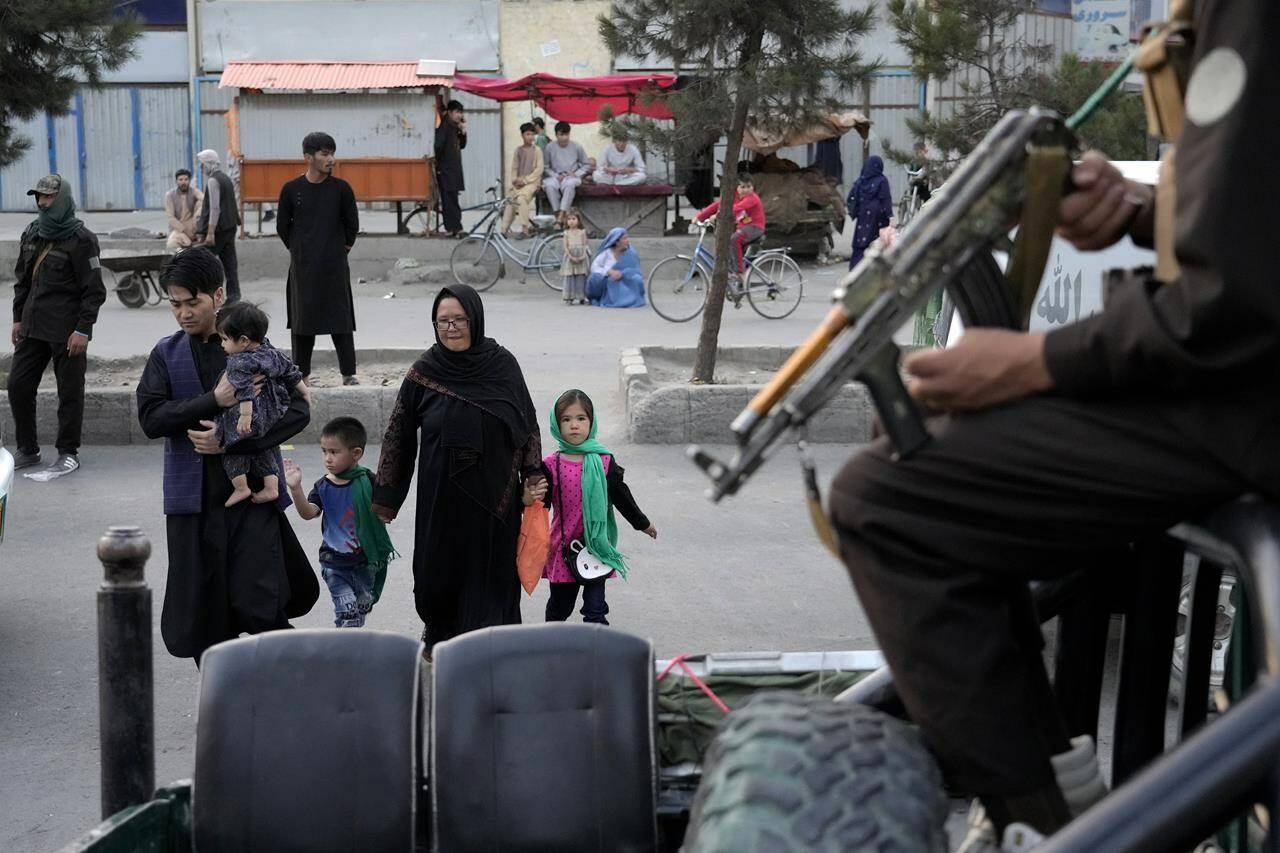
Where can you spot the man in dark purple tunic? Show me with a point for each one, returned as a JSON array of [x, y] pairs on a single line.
[[232, 570]]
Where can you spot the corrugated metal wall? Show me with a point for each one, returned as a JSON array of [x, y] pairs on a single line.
[[108, 149], [482, 158], [165, 126], [364, 125], [123, 143], [214, 103], [22, 175]]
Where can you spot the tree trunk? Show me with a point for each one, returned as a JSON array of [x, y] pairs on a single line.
[[704, 361]]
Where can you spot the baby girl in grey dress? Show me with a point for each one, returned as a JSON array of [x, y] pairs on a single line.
[[243, 328]]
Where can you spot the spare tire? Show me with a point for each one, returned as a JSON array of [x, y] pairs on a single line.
[[792, 773]]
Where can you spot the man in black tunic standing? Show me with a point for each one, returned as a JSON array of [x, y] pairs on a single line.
[[235, 569], [317, 222], [451, 138]]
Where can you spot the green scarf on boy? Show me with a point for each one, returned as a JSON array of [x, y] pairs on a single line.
[[598, 524], [372, 533]]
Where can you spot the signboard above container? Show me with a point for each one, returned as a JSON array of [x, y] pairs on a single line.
[[353, 30]]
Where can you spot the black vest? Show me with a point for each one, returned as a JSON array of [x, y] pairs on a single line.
[[228, 214]]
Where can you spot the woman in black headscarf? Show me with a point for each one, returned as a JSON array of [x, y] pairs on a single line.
[[870, 204], [465, 401]]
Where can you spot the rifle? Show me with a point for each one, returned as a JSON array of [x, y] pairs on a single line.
[[1016, 175]]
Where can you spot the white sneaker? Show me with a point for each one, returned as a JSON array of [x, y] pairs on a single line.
[[66, 463]]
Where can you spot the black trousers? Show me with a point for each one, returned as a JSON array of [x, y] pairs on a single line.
[[451, 211], [345, 344], [565, 595], [224, 246], [30, 358], [941, 546]]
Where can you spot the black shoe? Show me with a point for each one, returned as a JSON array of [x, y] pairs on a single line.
[[25, 460], [268, 216], [66, 463], [350, 380]]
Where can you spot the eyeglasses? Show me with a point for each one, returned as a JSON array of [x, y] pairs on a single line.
[[445, 325]]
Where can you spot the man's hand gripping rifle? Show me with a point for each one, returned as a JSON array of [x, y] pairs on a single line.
[[1016, 175]]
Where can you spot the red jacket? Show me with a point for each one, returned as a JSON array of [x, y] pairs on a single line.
[[747, 210]]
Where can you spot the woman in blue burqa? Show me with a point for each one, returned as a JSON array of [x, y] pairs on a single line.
[[870, 205], [616, 280]]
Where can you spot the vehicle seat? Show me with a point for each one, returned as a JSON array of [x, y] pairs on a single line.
[[308, 740], [542, 738]]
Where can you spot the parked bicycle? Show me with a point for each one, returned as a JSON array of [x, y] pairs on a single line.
[[678, 286], [913, 196], [480, 258]]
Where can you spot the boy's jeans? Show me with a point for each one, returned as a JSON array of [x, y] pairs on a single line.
[[565, 595], [351, 588]]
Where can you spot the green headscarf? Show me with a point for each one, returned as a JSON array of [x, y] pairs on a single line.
[[372, 533], [598, 523], [59, 221]]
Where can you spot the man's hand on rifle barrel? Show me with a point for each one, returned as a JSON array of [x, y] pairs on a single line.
[[985, 368]]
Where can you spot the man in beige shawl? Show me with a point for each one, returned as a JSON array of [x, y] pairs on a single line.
[[181, 205]]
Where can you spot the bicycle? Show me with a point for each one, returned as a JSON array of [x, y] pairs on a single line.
[[478, 260], [909, 204], [678, 286]]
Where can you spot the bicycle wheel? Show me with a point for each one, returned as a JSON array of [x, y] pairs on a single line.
[[678, 288], [547, 260], [774, 286], [475, 262]]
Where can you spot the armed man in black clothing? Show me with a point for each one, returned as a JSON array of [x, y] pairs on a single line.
[[55, 304], [1061, 447]]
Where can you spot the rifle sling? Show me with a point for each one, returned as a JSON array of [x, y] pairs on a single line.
[[1047, 172]]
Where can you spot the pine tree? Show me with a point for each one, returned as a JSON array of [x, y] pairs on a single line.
[[779, 63], [1118, 128], [982, 44], [47, 48]]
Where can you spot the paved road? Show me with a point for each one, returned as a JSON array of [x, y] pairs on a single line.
[[745, 575]]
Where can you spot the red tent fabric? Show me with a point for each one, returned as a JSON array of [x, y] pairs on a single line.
[[576, 100]]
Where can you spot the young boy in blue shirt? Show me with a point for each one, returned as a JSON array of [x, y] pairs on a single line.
[[355, 548]]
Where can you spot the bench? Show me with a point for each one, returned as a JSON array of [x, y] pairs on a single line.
[[641, 209], [386, 179]]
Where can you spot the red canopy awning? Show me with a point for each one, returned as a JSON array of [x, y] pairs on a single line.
[[576, 100]]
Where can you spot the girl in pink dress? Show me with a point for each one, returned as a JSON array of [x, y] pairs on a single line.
[[585, 487]]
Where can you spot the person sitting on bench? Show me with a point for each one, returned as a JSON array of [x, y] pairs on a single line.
[[566, 163], [620, 163]]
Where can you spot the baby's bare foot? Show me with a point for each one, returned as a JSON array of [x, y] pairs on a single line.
[[266, 495], [238, 495]]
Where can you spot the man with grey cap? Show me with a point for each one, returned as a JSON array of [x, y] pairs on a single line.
[[219, 219], [55, 305]]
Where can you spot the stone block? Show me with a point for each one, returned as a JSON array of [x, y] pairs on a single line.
[[660, 416], [108, 413]]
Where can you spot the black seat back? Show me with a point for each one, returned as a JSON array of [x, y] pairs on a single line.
[[542, 738], [308, 740]]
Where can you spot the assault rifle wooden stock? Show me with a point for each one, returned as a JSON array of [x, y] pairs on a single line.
[[1026, 156]]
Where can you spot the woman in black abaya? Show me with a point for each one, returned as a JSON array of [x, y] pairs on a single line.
[[466, 404]]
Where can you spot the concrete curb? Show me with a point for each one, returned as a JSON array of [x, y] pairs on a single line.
[[373, 257], [111, 413], [665, 412]]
